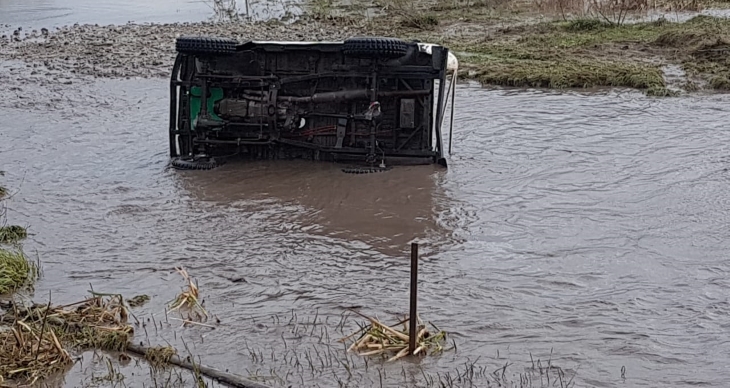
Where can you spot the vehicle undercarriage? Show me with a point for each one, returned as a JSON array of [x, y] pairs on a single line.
[[369, 102]]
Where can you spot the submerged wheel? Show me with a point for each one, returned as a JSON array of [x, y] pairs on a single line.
[[387, 48], [364, 170], [205, 45], [194, 164]]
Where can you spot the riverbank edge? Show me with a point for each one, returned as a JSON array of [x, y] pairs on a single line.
[[493, 49]]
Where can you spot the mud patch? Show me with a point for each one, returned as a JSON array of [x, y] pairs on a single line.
[[135, 50], [32, 86], [676, 79]]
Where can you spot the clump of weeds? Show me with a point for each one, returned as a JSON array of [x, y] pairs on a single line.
[[16, 270]]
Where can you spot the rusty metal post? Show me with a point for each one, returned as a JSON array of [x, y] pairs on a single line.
[[412, 330]]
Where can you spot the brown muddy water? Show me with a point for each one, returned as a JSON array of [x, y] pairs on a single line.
[[589, 225], [589, 229]]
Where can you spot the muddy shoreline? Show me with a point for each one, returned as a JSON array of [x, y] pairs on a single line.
[[517, 51], [141, 50]]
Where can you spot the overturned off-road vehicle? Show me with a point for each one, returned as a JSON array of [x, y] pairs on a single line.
[[369, 102]]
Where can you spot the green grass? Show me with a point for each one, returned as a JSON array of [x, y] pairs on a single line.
[[569, 73], [12, 234], [710, 60], [16, 271], [719, 82], [585, 53], [587, 32]]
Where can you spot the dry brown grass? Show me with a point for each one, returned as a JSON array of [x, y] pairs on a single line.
[[34, 343], [99, 322], [159, 357], [377, 338], [188, 299], [30, 352], [614, 12]]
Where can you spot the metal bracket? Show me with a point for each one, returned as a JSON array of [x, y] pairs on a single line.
[[341, 131]]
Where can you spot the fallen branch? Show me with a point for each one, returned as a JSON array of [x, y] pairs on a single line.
[[215, 374], [59, 321], [189, 322]]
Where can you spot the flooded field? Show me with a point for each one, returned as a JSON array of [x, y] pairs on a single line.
[[589, 225], [55, 13], [583, 228]]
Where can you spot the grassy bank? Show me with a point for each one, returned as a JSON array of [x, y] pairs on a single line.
[[577, 53], [533, 43], [16, 270]]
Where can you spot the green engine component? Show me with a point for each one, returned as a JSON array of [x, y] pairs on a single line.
[[216, 94]]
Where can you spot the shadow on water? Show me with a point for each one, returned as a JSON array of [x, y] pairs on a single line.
[[385, 210]]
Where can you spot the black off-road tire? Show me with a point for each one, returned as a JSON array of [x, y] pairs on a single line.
[[364, 170], [194, 164], [201, 45], [381, 48]]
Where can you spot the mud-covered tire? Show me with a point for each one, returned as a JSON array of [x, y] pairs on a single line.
[[364, 170], [385, 48], [194, 164], [198, 45]]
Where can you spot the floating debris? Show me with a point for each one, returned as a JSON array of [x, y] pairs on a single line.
[[99, 322], [138, 300], [378, 338], [159, 356], [34, 343], [188, 299]]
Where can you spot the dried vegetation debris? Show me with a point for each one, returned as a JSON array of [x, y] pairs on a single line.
[[377, 338], [188, 301], [30, 352], [138, 300], [99, 322], [48, 333], [159, 356]]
